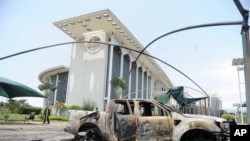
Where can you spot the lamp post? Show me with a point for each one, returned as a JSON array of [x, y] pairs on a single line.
[[238, 62], [246, 53]]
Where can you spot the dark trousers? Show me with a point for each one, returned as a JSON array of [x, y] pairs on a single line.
[[44, 120]]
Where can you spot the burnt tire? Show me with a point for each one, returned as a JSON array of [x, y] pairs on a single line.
[[198, 135], [79, 138], [93, 135]]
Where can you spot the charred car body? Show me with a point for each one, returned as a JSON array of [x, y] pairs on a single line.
[[140, 119]]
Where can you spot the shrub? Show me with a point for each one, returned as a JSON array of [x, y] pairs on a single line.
[[60, 118], [39, 117], [52, 117], [28, 110], [88, 105], [75, 107], [228, 116]]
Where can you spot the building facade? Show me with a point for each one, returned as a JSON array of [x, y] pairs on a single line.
[[59, 77], [113, 54], [216, 105]]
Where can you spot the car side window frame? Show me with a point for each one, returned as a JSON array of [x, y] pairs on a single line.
[[153, 109], [123, 107]]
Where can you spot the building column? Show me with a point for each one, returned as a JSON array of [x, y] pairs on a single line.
[[136, 82], [147, 88], [57, 81], [142, 83], [122, 60], [110, 71], [129, 78]]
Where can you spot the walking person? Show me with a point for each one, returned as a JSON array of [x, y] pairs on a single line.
[[46, 114]]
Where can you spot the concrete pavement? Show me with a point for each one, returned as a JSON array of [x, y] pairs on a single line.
[[33, 131]]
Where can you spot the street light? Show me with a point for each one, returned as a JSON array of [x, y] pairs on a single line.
[[238, 62], [246, 52]]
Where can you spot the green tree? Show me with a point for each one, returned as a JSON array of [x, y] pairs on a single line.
[[22, 103], [47, 87], [118, 84], [16, 106], [12, 105], [2, 104]]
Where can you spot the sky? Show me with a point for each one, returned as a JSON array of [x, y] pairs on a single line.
[[204, 54]]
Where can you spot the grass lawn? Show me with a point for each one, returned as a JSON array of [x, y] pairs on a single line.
[[17, 117], [37, 117]]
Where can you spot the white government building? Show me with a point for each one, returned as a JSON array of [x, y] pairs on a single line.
[[92, 65]]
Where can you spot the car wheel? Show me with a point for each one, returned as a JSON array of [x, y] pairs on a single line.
[[79, 138], [198, 135], [93, 135]]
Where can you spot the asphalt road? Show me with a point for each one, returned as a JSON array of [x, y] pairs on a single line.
[[34, 131]]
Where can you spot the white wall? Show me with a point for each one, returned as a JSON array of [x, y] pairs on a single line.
[[87, 74]]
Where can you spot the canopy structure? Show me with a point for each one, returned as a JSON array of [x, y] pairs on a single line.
[[11, 89], [178, 94], [244, 104]]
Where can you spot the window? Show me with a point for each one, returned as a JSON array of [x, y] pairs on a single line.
[[122, 108], [146, 109], [149, 109]]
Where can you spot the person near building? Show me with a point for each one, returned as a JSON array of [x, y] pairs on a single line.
[[46, 114]]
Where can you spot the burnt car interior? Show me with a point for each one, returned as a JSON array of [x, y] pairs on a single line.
[[149, 109], [122, 108]]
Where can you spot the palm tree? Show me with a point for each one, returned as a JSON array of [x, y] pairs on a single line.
[[47, 87], [119, 84]]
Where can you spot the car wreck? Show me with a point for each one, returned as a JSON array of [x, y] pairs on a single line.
[[145, 120]]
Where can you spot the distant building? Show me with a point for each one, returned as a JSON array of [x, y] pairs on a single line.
[[94, 65], [216, 105], [58, 76]]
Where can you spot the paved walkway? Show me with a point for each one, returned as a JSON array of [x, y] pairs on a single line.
[[33, 131], [21, 123]]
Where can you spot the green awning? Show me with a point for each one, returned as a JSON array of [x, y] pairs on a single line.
[[178, 94], [11, 89]]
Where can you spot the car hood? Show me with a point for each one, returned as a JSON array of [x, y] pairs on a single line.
[[205, 117]]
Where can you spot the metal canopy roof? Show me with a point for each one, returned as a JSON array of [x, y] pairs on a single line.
[[45, 75], [105, 20]]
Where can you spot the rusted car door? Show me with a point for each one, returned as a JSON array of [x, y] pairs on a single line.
[[125, 121], [154, 123]]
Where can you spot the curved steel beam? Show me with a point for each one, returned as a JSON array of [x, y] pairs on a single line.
[[50, 46], [188, 28]]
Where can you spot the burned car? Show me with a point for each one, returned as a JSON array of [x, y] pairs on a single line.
[[140, 119]]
